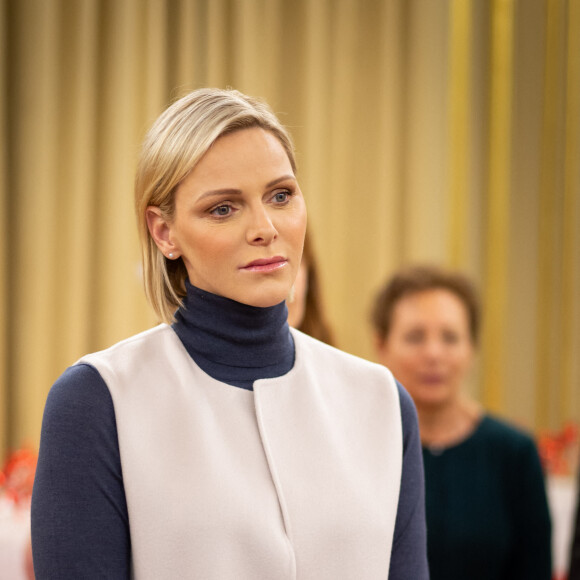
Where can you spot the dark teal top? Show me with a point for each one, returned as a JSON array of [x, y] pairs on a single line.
[[487, 512]]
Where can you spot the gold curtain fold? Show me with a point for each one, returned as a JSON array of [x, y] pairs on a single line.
[[570, 311], [498, 201], [35, 219], [559, 254], [549, 259], [425, 199], [460, 140], [5, 391], [426, 131]]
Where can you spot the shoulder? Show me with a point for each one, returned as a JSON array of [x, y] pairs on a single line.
[[408, 414], [79, 402], [316, 353], [156, 346], [408, 408], [144, 343], [515, 458], [345, 376], [497, 429], [80, 386], [507, 439]]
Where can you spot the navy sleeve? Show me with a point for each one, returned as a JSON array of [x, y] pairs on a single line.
[[409, 553], [80, 526]]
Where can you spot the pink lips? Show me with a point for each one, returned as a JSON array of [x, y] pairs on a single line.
[[266, 264], [432, 379]]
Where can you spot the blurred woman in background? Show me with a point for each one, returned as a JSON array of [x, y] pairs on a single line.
[[487, 513], [305, 308]]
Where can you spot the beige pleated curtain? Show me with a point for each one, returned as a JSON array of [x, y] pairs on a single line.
[[445, 131]]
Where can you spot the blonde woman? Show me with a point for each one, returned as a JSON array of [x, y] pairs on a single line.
[[221, 444]]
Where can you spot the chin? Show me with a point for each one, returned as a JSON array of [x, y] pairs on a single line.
[[263, 299], [433, 402], [429, 397]]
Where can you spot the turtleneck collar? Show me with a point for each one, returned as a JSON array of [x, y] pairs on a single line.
[[232, 342]]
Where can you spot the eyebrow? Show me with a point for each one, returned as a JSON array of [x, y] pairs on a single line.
[[234, 191]]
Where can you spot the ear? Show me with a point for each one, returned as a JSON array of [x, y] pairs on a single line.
[[160, 231]]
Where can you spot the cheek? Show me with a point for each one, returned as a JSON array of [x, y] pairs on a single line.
[[463, 361], [293, 233], [403, 369], [403, 362], [205, 249], [296, 221], [296, 232]]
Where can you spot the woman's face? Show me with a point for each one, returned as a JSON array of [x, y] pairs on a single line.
[[429, 347], [239, 220]]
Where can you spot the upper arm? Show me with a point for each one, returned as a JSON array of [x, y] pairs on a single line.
[[409, 551], [79, 514]]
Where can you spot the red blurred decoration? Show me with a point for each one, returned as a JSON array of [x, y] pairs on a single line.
[[17, 475], [559, 450]]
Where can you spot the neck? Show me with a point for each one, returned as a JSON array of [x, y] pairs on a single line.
[[449, 423], [233, 342]]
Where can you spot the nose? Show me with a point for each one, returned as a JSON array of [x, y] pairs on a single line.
[[433, 348], [261, 230]]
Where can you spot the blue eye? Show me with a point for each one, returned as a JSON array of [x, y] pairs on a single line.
[[281, 196], [221, 210]]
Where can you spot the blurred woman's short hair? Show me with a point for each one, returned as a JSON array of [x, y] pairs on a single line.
[[413, 279], [174, 145]]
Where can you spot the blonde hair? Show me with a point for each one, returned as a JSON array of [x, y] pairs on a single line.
[[174, 145]]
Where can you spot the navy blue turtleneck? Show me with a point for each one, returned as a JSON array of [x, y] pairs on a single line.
[[80, 523], [233, 342]]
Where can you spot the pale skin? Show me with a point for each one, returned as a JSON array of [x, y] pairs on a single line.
[[239, 220], [430, 351]]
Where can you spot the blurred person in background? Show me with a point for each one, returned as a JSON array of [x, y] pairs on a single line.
[[487, 512], [305, 307]]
